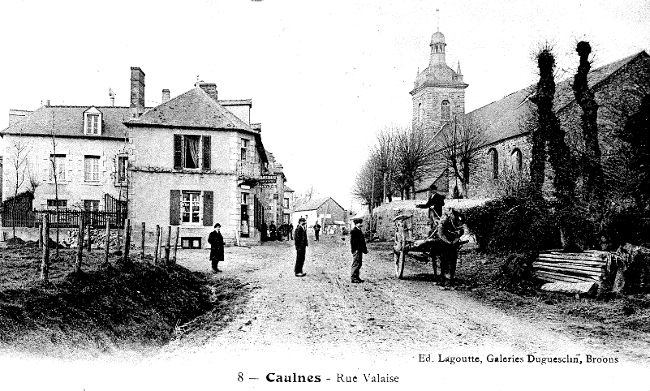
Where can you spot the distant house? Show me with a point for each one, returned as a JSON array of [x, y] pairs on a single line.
[[325, 211], [288, 204], [273, 191]]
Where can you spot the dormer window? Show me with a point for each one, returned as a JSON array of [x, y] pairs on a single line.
[[93, 122]]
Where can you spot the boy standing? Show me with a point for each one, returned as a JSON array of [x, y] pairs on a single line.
[[358, 247]]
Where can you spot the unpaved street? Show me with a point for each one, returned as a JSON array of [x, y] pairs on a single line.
[[322, 324]]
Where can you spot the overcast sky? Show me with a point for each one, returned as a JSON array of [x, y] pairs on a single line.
[[324, 76]]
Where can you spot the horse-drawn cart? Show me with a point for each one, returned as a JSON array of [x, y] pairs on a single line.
[[425, 249]]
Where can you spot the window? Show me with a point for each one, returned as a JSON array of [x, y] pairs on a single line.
[[91, 205], [419, 113], [445, 110], [122, 165], [190, 207], [192, 152], [517, 163], [93, 121], [191, 242], [286, 203], [494, 159], [91, 168], [57, 165], [244, 149], [53, 203], [244, 198]]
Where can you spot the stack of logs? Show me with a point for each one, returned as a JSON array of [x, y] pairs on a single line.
[[557, 266]]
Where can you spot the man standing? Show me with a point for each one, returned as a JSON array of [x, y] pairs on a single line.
[[358, 247], [449, 232], [300, 240], [216, 247], [434, 203], [290, 231], [316, 230]]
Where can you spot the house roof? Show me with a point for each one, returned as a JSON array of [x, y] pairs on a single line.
[[287, 189], [502, 119], [69, 121], [193, 109], [313, 204]]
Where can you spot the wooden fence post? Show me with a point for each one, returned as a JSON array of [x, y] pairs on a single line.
[[90, 247], [155, 249], [107, 246], [178, 231], [45, 261], [127, 240], [40, 235], [80, 245], [168, 245], [144, 232]]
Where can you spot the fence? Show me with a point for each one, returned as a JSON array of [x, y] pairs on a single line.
[[63, 218]]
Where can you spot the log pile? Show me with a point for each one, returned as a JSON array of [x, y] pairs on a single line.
[[557, 266]]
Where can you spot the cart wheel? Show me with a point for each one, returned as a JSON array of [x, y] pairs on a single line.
[[399, 258]]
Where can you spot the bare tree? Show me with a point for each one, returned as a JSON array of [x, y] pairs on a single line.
[[18, 162], [55, 175], [459, 150], [414, 158], [383, 154], [366, 183]]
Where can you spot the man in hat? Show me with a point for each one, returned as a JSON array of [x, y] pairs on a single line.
[[300, 240], [216, 247], [449, 231], [358, 247], [434, 203]]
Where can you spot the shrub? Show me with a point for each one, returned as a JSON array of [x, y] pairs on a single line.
[[625, 225], [480, 219]]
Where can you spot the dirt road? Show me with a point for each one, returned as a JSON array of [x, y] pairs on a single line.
[[323, 325]]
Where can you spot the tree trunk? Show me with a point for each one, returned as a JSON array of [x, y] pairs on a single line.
[[585, 97]]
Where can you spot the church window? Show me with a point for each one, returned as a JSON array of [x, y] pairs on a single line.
[[494, 160], [517, 163], [445, 110], [420, 113]]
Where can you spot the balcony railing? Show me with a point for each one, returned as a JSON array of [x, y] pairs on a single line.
[[246, 169]]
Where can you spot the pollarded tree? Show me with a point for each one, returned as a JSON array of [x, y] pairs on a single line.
[[19, 165], [560, 157], [414, 158], [593, 184]]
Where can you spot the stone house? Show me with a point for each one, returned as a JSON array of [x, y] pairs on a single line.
[[86, 145], [203, 168], [288, 205], [273, 191]]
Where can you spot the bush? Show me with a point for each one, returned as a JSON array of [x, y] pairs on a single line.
[[625, 225], [513, 225]]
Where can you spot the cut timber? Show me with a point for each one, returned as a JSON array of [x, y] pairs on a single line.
[[553, 276], [575, 268], [571, 287], [557, 266]]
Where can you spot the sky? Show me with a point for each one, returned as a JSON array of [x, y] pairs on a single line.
[[324, 77]]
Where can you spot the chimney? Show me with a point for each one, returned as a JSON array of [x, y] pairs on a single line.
[[165, 95], [111, 95], [137, 92], [47, 102], [210, 89]]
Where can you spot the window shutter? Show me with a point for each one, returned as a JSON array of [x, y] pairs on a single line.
[[207, 208], [178, 152], [174, 207], [207, 149]]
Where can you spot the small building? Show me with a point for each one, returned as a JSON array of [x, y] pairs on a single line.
[[325, 211]]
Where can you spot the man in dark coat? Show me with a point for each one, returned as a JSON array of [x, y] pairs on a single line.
[[263, 229], [316, 230], [300, 240], [449, 232], [434, 203], [216, 247], [358, 247]]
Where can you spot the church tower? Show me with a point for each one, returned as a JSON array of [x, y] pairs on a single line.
[[439, 91]]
